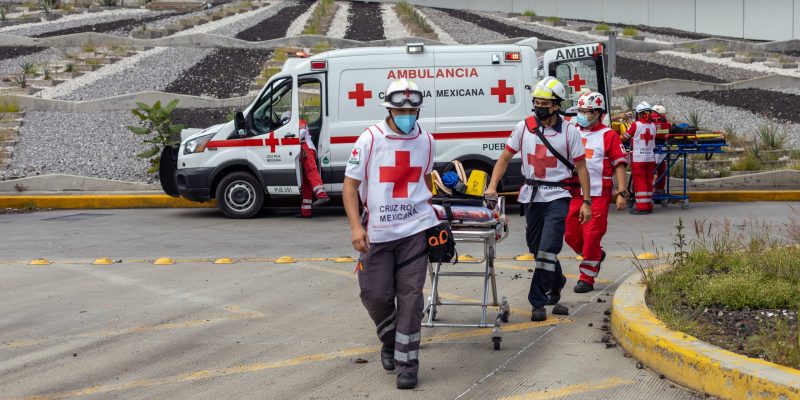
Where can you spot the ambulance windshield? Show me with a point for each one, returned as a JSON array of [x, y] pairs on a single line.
[[274, 102]]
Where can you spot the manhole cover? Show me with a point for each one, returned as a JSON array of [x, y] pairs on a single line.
[[76, 217]]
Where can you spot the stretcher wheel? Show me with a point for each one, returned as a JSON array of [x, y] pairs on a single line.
[[434, 314], [664, 203], [504, 316], [685, 205], [496, 342]]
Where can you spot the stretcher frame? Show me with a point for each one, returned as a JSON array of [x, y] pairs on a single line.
[[674, 153], [489, 234]]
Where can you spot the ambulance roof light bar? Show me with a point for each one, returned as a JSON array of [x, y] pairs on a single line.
[[513, 56], [415, 48]]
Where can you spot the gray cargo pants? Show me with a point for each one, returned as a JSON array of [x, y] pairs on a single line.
[[398, 324]]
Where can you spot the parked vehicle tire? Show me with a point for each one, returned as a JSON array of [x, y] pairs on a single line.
[[239, 195]]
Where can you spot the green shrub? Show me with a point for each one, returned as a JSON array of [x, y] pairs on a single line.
[[553, 19], [156, 129], [529, 13], [630, 31], [747, 163], [772, 137], [9, 107], [602, 27]]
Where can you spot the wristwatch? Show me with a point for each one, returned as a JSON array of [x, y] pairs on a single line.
[[624, 194], [588, 202]]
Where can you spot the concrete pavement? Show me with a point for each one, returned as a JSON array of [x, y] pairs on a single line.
[[256, 329]]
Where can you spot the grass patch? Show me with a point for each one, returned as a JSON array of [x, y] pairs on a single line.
[[410, 13], [734, 269], [10, 107], [747, 163], [553, 19], [772, 137], [630, 31], [529, 13], [602, 27]]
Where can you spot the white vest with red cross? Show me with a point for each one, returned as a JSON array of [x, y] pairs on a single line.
[[604, 151], [643, 141], [392, 170], [539, 164], [305, 135]]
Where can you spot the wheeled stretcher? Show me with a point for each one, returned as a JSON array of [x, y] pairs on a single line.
[[472, 221]]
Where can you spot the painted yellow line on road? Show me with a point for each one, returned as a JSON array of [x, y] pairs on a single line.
[[571, 389], [238, 315], [100, 201], [522, 268], [263, 366]]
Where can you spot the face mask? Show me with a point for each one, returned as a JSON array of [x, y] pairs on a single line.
[[542, 113], [583, 120], [405, 122]]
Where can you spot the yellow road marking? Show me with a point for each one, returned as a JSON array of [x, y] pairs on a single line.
[[262, 366], [522, 268], [571, 389], [239, 315]]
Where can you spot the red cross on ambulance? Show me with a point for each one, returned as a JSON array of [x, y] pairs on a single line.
[[502, 91], [359, 95]]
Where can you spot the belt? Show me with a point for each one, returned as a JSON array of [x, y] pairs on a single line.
[[537, 183]]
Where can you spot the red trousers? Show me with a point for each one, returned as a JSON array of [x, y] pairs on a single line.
[[585, 239], [642, 175], [312, 182]]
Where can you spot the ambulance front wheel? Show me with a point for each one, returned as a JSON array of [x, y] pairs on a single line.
[[239, 195]]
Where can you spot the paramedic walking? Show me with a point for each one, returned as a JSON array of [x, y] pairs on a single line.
[[389, 169], [550, 149]]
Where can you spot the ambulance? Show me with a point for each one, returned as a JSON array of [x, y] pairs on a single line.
[[474, 95]]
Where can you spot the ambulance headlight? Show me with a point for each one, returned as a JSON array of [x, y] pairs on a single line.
[[197, 145]]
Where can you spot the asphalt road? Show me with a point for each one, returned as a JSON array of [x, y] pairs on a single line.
[[258, 329]]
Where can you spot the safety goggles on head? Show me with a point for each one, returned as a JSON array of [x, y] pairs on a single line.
[[412, 98]]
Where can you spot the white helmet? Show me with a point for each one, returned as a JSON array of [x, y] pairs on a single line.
[[592, 100], [402, 93], [549, 88], [661, 110], [643, 106]]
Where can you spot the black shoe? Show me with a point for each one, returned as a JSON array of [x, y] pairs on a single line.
[[387, 358], [406, 380], [320, 201], [640, 212], [554, 296], [558, 309], [583, 287], [539, 314], [602, 258]]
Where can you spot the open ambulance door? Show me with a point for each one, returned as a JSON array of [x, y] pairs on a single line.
[[579, 67]]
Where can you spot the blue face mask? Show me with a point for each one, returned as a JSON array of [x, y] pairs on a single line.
[[405, 122], [583, 120]]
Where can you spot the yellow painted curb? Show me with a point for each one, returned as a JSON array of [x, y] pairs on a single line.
[[100, 201], [745, 195], [163, 261], [691, 362], [39, 261], [103, 261], [285, 260]]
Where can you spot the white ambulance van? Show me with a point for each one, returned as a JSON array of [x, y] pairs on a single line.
[[474, 96]]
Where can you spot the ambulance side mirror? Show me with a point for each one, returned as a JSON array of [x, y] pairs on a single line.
[[239, 124]]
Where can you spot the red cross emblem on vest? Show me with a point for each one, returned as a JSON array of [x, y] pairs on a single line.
[[646, 136], [401, 175], [541, 161], [359, 95], [271, 142], [576, 83], [502, 91], [589, 152]]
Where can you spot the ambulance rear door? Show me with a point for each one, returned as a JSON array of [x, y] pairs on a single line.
[[578, 67], [357, 82]]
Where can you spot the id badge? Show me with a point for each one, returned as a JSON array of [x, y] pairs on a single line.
[[525, 194]]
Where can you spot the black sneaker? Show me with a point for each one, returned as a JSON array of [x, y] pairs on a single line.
[[406, 380], [387, 358], [320, 201], [554, 296], [558, 309], [583, 287], [539, 314]]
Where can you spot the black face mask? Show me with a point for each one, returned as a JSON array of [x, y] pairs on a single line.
[[542, 113]]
